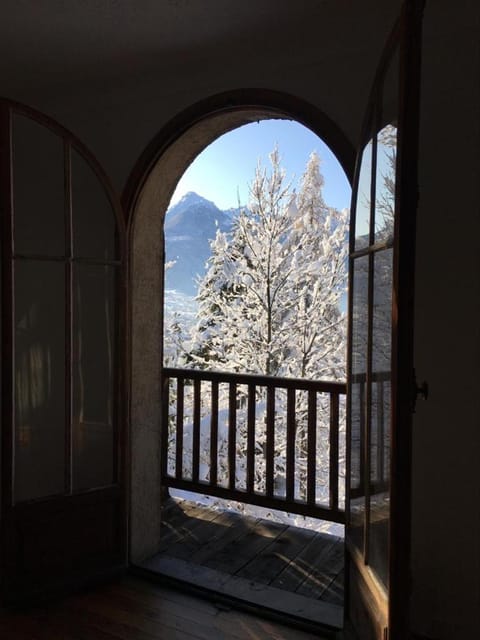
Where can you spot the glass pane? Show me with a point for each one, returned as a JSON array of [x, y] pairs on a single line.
[[380, 428], [39, 379], [363, 201], [38, 189], [93, 375], [387, 155], [385, 184], [1, 372], [94, 224], [359, 346]]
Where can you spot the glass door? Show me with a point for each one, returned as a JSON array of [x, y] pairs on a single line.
[[63, 517], [381, 343]]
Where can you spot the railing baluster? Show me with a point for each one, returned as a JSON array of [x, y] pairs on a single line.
[[165, 427], [380, 432], [179, 429], [333, 475], [251, 438], [232, 433], [214, 435], [361, 446], [290, 480], [312, 447], [270, 442], [196, 431]]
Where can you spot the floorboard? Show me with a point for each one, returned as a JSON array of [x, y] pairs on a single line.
[[239, 552], [132, 609], [315, 551], [323, 572], [181, 521], [277, 556]]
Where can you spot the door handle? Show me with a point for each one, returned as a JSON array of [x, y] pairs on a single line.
[[419, 391]]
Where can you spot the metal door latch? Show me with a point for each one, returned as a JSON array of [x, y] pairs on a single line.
[[419, 391]]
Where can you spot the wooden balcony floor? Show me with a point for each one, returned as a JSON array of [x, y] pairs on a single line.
[[253, 561]]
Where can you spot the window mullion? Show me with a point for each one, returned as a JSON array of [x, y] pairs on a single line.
[[7, 324], [68, 319], [368, 403]]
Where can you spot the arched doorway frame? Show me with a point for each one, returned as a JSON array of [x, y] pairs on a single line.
[[146, 197]]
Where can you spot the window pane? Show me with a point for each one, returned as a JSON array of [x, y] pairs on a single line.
[[39, 379], [387, 154], [93, 375], [359, 346], [94, 224], [380, 428], [385, 184], [363, 200], [38, 189]]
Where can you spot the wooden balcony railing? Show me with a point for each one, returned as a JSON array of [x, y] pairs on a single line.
[[254, 439], [370, 474]]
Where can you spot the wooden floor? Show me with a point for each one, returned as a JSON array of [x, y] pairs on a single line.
[[253, 560], [133, 609]]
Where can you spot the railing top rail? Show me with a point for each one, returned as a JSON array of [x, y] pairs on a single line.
[[321, 386], [375, 376]]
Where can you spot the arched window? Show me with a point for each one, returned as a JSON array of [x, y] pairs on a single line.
[[62, 301]]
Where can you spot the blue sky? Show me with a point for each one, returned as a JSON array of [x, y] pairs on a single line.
[[223, 171]]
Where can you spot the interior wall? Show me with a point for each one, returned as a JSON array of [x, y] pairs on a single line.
[[117, 116], [446, 434]]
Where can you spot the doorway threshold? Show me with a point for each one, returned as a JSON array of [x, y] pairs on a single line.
[[277, 570]]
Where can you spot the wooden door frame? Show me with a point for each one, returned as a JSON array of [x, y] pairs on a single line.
[[403, 375]]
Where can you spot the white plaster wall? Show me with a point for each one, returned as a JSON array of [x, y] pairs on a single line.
[[446, 435]]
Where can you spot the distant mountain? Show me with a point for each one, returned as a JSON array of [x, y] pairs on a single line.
[[189, 227]]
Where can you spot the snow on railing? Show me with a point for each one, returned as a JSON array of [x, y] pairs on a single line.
[[267, 441]]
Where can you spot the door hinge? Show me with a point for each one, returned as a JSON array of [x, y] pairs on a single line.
[[385, 633]]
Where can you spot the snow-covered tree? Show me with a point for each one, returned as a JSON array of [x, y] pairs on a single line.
[[270, 300], [385, 196]]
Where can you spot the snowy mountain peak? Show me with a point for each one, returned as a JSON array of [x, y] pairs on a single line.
[[191, 199], [190, 225]]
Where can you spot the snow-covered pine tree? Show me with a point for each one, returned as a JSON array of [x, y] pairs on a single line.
[[317, 246]]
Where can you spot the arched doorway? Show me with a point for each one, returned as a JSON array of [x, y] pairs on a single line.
[[147, 197]]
